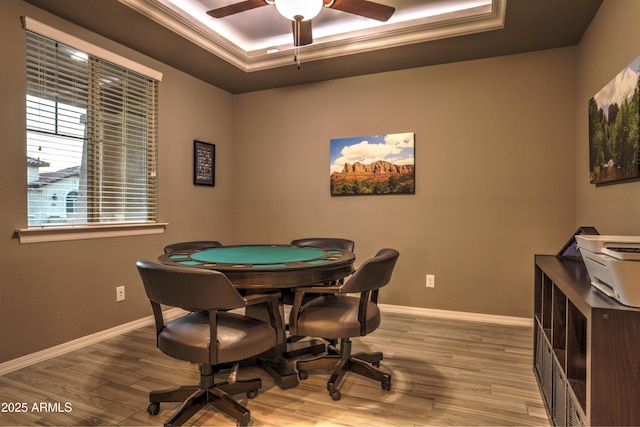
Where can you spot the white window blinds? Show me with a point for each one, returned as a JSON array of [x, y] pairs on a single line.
[[91, 138]]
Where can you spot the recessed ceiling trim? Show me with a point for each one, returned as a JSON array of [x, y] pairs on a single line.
[[486, 19], [196, 33], [454, 24]]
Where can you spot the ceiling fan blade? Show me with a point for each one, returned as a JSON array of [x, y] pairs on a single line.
[[302, 33], [232, 9], [366, 8]]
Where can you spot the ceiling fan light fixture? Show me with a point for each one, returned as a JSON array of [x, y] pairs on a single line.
[[299, 10]]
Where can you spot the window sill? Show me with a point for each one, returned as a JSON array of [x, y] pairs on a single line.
[[58, 234]]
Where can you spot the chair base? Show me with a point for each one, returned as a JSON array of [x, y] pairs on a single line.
[[196, 397], [365, 364]]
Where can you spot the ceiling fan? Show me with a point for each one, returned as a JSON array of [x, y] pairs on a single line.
[[300, 12]]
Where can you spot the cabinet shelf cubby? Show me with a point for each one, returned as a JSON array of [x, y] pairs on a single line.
[[586, 348]]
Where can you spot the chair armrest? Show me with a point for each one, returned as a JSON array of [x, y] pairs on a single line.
[[271, 300], [261, 298], [298, 297]]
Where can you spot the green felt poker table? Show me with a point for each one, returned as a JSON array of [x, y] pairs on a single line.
[[268, 266], [259, 268]]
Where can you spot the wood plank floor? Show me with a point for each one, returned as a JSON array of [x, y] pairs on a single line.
[[445, 372]]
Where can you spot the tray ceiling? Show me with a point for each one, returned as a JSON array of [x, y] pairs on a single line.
[[253, 50]]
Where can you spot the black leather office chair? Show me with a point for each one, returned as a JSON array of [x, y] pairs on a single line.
[[209, 336], [199, 244], [343, 316], [287, 295]]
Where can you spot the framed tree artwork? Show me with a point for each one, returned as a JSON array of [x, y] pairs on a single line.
[[614, 128]]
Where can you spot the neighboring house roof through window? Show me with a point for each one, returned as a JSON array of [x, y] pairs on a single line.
[[36, 162], [51, 177]]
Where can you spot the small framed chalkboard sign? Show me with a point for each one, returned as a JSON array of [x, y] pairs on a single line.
[[570, 249], [204, 163]]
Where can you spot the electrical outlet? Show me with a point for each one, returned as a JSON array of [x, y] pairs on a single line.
[[119, 293], [431, 281]]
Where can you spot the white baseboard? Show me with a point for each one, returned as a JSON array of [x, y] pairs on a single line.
[[458, 315], [40, 356]]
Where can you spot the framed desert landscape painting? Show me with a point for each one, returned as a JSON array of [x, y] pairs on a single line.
[[614, 130], [373, 165]]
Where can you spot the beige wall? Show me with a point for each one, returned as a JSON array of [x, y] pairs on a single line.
[[494, 171], [496, 180], [609, 45], [56, 292]]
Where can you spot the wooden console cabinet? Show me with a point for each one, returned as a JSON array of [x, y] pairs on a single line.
[[586, 348]]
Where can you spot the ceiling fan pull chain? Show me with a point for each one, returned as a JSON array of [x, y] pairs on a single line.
[[296, 57]]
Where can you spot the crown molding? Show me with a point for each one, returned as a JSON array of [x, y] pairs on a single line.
[[470, 21]]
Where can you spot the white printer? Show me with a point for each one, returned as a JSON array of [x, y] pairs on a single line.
[[613, 264]]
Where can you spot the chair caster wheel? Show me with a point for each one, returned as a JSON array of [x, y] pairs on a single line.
[[252, 394], [303, 375], [376, 364], [335, 395], [153, 408], [386, 386]]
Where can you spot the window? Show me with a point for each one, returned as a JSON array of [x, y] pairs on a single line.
[[91, 134], [72, 202]]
